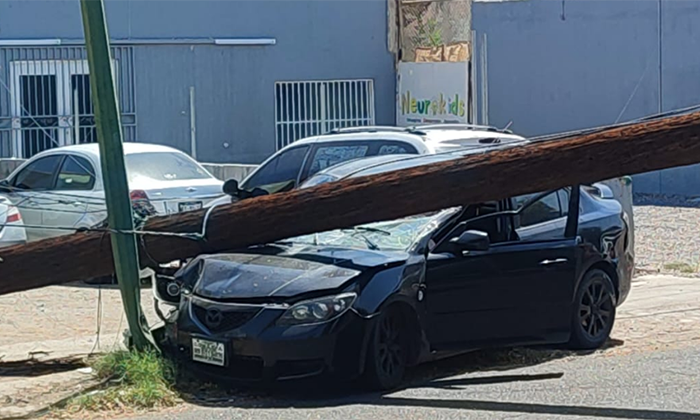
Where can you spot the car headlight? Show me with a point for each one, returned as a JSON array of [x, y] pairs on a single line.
[[317, 310]]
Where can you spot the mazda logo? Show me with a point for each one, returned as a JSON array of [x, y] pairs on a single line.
[[214, 317]]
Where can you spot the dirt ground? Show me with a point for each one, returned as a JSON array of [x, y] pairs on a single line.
[[73, 313]]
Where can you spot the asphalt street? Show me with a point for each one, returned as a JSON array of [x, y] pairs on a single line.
[[661, 384]]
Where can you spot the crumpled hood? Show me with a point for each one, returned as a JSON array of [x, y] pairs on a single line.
[[241, 276]]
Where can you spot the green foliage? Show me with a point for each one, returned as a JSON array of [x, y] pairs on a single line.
[[138, 380], [680, 267], [429, 33]]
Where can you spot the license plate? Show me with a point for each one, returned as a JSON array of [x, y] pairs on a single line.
[[189, 206], [211, 352]]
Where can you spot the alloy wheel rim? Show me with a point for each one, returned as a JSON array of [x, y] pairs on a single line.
[[596, 309], [389, 346]]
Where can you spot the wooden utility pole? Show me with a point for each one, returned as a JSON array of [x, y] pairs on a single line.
[[541, 166], [109, 137]]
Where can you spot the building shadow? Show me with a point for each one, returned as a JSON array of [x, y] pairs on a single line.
[[34, 368], [530, 408]]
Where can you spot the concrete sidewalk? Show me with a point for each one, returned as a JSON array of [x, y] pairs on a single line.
[[661, 312]]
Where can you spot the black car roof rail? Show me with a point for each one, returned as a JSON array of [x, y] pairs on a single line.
[[453, 126], [374, 129]]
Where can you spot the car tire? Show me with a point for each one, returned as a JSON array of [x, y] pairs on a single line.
[[594, 311], [387, 351]]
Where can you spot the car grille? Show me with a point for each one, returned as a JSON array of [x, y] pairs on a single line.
[[223, 319]]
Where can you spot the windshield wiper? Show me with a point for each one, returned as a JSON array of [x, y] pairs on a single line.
[[371, 245], [358, 229]]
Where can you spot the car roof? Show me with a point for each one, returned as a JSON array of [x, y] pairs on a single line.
[[438, 137], [386, 163], [93, 149]]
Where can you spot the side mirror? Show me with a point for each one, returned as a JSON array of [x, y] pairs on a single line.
[[472, 240], [231, 188], [603, 191]]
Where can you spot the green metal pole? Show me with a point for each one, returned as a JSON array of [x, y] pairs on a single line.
[[109, 137]]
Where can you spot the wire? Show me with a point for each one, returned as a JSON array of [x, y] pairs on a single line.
[[99, 316], [593, 130], [634, 92], [116, 339]]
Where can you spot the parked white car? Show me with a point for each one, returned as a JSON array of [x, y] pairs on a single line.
[[63, 187], [11, 226], [290, 166]]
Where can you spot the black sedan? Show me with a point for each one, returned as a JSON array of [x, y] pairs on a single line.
[[372, 300]]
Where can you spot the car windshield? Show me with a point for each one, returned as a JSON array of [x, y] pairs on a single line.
[[163, 166], [396, 235]]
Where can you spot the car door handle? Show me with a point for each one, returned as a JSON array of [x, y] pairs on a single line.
[[556, 261]]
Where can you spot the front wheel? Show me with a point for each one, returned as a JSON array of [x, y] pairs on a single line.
[[388, 348], [594, 311]]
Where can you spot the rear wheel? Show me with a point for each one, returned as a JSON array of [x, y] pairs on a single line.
[[388, 350], [594, 311]]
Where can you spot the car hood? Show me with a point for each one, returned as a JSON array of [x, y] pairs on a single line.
[[280, 275]]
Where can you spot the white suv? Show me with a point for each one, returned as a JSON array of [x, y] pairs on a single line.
[[290, 166]]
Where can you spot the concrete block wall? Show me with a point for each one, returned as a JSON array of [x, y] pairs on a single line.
[[558, 66]]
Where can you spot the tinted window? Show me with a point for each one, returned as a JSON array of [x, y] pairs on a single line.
[[395, 149], [564, 196], [76, 174], [163, 166], [326, 156], [280, 172], [545, 209], [38, 175]]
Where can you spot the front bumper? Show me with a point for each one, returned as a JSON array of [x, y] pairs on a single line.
[[261, 351]]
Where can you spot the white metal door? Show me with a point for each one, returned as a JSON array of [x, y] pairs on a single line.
[[36, 106], [311, 108], [50, 100]]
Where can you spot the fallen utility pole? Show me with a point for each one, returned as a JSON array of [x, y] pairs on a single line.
[[609, 153], [109, 137]]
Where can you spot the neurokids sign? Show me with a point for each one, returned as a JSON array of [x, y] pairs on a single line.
[[431, 93], [438, 106]]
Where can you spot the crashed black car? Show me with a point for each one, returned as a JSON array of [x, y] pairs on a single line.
[[369, 301]]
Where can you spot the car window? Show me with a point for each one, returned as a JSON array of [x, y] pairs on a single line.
[[278, 173], [38, 175], [395, 149], [76, 174], [163, 166], [540, 211], [326, 156], [564, 197], [484, 217]]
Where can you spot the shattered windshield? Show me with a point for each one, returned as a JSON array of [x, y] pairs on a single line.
[[394, 235]]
